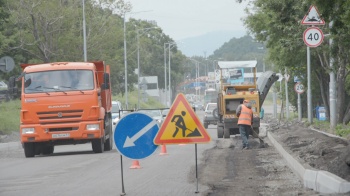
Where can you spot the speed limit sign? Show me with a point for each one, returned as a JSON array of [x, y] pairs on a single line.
[[313, 37], [299, 88]]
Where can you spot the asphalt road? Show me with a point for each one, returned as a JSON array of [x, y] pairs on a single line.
[[224, 169], [76, 170]]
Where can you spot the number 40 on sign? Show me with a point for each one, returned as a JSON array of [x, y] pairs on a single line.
[[313, 37]]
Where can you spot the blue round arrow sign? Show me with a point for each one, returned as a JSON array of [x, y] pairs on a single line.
[[134, 135]]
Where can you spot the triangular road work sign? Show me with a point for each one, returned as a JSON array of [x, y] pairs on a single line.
[[312, 17], [181, 125]]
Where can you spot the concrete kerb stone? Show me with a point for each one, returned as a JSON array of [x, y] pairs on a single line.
[[294, 164], [327, 182], [310, 177], [319, 180]]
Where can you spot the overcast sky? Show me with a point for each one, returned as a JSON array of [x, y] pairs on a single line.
[[182, 19]]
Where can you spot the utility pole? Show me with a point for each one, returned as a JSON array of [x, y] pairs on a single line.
[[84, 32], [332, 89], [287, 98]]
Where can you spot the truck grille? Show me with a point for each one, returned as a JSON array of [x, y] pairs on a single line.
[[60, 116]]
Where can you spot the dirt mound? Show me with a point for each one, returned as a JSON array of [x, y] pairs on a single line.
[[313, 148]]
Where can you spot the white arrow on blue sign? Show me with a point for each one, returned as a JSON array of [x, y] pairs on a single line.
[[134, 135]]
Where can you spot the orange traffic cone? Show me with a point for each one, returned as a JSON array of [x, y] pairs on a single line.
[[135, 165], [163, 150]]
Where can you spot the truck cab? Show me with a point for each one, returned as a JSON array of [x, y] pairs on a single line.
[[65, 103]]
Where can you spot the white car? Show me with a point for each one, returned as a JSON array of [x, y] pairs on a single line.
[[208, 115], [116, 107]]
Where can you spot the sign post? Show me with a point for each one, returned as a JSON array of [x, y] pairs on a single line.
[[312, 39], [299, 88], [135, 140], [182, 125]]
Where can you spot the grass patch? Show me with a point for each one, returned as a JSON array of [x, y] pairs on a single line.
[[10, 116], [151, 102], [343, 131], [340, 130]]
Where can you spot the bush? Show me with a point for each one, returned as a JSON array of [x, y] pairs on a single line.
[[342, 131], [10, 116]]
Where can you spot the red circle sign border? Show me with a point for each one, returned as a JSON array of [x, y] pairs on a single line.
[[295, 88], [310, 28]]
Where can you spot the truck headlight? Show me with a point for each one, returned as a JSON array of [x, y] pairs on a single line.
[[28, 130], [93, 127]]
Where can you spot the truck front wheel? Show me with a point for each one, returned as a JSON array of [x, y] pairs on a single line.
[[109, 142], [29, 150], [97, 145]]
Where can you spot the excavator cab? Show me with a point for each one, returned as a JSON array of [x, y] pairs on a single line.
[[239, 82]]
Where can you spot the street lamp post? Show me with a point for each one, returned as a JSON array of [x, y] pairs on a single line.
[[125, 59], [197, 76], [138, 63], [126, 70], [165, 87], [170, 91], [169, 45]]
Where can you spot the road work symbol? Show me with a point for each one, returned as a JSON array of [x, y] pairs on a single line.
[[181, 125]]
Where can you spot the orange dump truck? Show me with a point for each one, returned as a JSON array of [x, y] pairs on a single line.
[[65, 103]]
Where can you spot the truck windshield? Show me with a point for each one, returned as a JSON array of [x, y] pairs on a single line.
[[58, 81]]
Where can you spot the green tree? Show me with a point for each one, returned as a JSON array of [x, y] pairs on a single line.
[[277, 23], [52, 30]]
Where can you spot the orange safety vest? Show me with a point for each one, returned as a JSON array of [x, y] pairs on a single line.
[[245, 118]]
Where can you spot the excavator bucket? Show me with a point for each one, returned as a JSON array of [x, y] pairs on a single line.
[[264, 83]]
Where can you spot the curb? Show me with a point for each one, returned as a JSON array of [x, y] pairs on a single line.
[[318, 180]]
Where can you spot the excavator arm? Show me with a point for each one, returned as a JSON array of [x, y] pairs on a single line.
[[264, 83]]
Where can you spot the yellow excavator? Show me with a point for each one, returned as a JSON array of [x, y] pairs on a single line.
[[238, 82]]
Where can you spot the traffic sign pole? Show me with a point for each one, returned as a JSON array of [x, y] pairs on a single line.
[[299, 89], [299, 108], [312, 37], [309, 96]]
